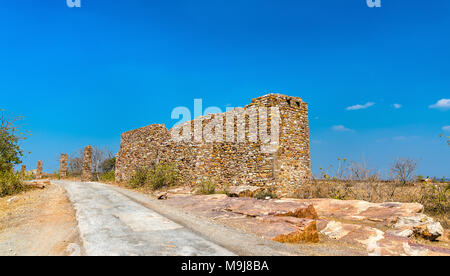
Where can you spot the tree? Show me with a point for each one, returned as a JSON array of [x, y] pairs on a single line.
[[76, 163], [109, 164], [10, 150], [102, 161], [403, 169], [99, 156]]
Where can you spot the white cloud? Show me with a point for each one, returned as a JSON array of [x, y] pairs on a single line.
[[446, 128], [443, 104], [359, 106], [342, 128], [397, 106]]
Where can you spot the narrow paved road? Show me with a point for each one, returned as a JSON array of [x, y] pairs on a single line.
[[111, 223]]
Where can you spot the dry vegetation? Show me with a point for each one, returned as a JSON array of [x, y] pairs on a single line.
[[355, 181]]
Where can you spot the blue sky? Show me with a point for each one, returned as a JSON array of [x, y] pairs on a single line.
[[85, 75]]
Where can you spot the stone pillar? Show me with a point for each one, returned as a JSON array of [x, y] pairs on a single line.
[[63, 165], [23, 170], [86, 174], [39, 169]]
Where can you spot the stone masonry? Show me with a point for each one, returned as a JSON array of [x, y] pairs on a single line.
[[282, 166], [39, 169], [63, 165], [86, 174], [23, 170]]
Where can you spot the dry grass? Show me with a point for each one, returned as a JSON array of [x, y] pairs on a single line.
[[434, 197]]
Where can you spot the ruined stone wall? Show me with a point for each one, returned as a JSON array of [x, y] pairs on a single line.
[[243, 161], [63, 165], [86, 173], [39, 168]]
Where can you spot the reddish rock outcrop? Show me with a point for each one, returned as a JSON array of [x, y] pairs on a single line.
[[385, 214], [244, 191], [257, 208], [376, 228], [376, 241], [278, 221]]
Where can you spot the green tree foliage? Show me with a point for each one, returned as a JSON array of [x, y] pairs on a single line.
[[10, 151], [10, 154], [109, 165]]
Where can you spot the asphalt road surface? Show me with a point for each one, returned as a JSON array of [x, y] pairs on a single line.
[[113, 224]]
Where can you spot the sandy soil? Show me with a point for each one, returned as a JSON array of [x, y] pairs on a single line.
[[38, 223]]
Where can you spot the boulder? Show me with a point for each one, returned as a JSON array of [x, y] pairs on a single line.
[[384, 214], [421, 226], [254, 208], [162, 196], [279, 229], [377, 242]]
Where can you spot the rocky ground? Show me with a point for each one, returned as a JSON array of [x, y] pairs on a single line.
[[376, 229], [47, 222]]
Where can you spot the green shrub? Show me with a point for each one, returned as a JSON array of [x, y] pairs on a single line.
[[156, 177], [10, 184], [108, 176], [163, 175], [109, 164], [207, 186], [139, 178], [265, 194]]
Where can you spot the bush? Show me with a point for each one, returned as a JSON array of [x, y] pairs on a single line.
[[108, 176], [265, 194], [436, 198], [157, 177], [207, 186], [109, 164], [10, 184], [403, 170], [10, 151]]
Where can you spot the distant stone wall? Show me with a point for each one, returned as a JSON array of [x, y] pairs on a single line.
[[63, 165], [86, 173], [39, 168], [247, 161]]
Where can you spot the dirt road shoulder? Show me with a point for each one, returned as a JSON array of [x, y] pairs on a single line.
[[38, 223]]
